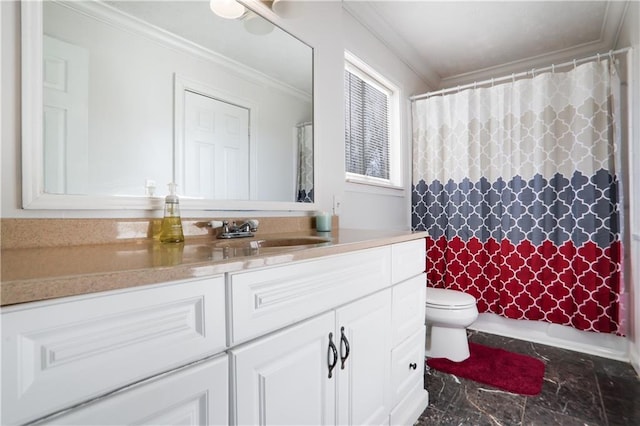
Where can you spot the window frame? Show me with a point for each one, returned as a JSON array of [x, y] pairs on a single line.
[[365, 72]]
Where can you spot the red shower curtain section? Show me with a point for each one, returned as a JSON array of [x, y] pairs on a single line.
[[565, 284]]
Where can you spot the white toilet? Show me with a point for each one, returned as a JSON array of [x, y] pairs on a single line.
[[448, 313]]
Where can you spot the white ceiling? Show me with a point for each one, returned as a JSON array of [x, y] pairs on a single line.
[[452, 42]]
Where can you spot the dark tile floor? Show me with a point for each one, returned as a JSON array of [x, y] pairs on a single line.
[[578, 389]]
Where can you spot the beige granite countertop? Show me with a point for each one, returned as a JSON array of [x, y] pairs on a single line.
[[39, 273]]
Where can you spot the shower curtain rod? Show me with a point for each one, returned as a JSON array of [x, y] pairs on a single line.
[[513, 76]]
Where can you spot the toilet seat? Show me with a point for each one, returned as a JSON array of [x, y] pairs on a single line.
[[439, 298]]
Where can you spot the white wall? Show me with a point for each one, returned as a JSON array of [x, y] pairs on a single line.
[[328, 29], [366, 206]]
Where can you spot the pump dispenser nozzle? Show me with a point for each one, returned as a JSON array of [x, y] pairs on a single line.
[[171, 231], [172, 189]]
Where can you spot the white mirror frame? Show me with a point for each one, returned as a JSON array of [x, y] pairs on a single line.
[[33, 194]]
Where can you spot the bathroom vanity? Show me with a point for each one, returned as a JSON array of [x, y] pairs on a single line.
[[332, 334]]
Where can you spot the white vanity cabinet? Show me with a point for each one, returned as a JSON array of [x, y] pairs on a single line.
[[361, 308], [284, 378], [63, 352], [337, 339], [332, 369]]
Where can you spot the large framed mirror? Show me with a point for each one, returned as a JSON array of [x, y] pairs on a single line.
[[121, 98]]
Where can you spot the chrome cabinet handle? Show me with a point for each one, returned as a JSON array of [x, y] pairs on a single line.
[[343, 339], [331, 350]]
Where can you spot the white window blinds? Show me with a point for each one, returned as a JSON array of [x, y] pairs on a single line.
[[366, 128]]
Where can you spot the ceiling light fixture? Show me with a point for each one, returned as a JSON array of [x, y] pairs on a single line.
[[229, 9]]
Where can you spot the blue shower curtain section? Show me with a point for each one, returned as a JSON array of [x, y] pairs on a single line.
[[575, 208]]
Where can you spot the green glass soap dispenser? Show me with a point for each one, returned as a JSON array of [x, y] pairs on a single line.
[[171, 231]]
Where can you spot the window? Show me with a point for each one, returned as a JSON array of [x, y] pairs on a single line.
[[371, 116]]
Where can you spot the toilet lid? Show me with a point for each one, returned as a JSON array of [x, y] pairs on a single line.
[[449, 298]]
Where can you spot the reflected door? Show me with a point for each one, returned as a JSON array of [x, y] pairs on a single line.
[[65, 117], [216, 148]]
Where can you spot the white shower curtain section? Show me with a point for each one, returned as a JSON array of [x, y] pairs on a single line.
[[304, 179], [518, 186], [526, 127]]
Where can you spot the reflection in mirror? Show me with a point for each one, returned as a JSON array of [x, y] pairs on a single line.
[[138, 94]]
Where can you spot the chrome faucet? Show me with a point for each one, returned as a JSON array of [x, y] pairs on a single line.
[[234, 230]]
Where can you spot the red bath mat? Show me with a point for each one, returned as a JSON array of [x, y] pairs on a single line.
[[502, 369]]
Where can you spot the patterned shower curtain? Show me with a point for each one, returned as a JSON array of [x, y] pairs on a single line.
[[518, 187], [304, 178]]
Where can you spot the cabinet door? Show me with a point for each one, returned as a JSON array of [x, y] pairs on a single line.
[[408, 366], [282, 379], [197, 395], [409, 396], [364, 396]]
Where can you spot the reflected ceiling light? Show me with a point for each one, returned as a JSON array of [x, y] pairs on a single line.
[[285, 8], [256, 24], [229, 9]]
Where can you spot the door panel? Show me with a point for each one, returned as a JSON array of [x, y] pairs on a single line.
[[282, 379], [65, 117], [364, 393], [216, 148]]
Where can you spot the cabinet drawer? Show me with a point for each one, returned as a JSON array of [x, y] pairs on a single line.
[[61, 352], [408, 259], [270, 298], [197, 395], [404, 357], [408, 308]]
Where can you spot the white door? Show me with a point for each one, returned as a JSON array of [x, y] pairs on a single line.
[[197, 395], [65, 117], [282, 379], [216, 148], [364, 394]]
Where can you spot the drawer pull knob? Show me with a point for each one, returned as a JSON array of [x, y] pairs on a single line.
[[345, 341], [331, 350], [413, 366]]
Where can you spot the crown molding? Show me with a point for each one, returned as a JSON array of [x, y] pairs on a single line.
[[369, 18]]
